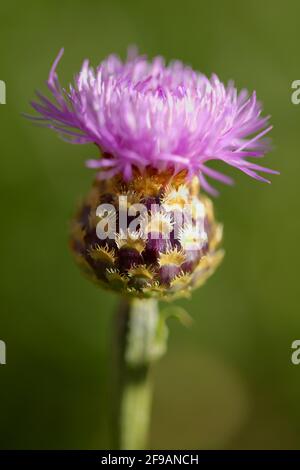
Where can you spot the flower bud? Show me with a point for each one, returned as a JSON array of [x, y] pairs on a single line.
[[166, 249]]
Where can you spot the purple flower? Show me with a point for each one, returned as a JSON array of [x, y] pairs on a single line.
[[147, 114]]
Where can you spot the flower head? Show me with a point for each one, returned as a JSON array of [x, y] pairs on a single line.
[[145, 114]]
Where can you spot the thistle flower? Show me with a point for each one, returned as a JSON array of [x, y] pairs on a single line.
[[156, 127], [147, 114]]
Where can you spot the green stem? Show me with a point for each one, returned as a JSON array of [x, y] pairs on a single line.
[[141, 340]]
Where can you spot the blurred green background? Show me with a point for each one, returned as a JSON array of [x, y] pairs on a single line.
[[227, 381]]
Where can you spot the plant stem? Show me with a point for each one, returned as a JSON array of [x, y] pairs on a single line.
[[141, 339]]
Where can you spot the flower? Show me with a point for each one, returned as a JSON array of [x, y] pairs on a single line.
[[157, 127], [145, 114]]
